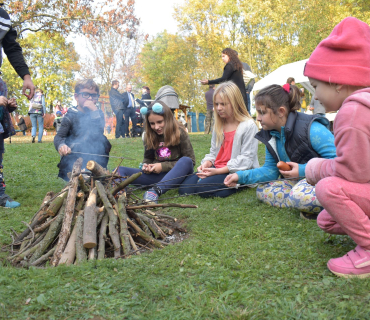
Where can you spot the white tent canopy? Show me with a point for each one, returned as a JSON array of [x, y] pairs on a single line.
[[281, 74]]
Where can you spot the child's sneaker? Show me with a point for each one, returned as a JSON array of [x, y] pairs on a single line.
[[7, 202], [355, 264], [151, 196], [308, 216]]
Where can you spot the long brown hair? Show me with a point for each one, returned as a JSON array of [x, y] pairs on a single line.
[[171, 130], [275, 96], [234, 59]]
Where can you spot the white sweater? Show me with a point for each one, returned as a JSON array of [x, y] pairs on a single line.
[[244, 151]]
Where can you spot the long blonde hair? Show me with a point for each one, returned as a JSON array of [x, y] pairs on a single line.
[[230, 91]]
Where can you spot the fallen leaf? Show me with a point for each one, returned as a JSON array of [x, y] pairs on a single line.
[[28, 300]]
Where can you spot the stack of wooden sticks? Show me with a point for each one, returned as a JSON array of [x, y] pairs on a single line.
[[89, 219]]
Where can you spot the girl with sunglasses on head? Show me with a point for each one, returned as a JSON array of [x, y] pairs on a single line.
[[233, 146], [168, 156], [292, 137]]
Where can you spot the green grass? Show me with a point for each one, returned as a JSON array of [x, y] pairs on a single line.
[[243, 259]]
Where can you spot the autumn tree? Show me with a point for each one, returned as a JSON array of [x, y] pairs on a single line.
[[52, 61], [65, 16], [111, 56]]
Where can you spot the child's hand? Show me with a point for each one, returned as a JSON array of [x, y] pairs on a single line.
[[3, 101], [294, 173], [231, 180], [207, 172], [206, 164], [145, 168], [28, 85], [204, 81], [89, 104], [155, 168], [64, 150], [12, 105]]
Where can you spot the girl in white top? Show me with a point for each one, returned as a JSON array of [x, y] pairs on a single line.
[[233, 146]]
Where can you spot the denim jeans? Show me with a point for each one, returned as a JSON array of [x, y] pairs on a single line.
[[34, 119], [182, 168], [2, 150], [209, 186], [120, 124]]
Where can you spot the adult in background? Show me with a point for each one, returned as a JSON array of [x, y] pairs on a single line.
[[129, 109], [291, 81], [146, 94], [37, 113], [116, 101], [233, 71], [14, 54], [249, 87], [209, 116], [21, 123], [316, 107], [58, 107]]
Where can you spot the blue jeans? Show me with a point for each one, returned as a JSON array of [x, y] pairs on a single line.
[[34, 119], [208, 186], [129, 113], [120, 124], [182, 168], [2, 150], [248, 102]]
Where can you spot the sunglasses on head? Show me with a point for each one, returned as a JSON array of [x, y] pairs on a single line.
[[156, 108]]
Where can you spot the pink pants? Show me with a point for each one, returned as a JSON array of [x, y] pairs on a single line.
[[347, 209]]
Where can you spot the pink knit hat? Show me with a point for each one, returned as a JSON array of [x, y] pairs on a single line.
[[344, 56]]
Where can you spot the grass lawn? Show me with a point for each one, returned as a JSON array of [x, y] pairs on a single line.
[[243, 259]]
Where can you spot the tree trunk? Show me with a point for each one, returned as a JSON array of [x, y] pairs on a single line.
[[96, 169], [81, 255], [90, 220], [102, 237], [125, 239], [69, 211], [113, 221]]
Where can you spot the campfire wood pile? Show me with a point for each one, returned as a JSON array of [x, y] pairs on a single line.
[[99, 221]]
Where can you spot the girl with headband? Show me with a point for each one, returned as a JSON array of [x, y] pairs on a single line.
[[168, 157], [292, 137]]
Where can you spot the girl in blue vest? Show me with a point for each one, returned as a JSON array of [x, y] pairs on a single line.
[[292, 137], [37, 113]]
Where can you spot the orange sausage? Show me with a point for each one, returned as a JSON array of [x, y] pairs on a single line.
[[283, 166]]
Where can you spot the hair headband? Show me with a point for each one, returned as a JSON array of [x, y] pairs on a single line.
[[156, 108], [286, 87]]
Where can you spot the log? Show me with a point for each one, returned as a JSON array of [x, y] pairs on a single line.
[[163, 205], [96, 169], [113, 219], [81, 255], [111, 199], [124, 233], [102, 237], [43, 258], [50, 236], [143, 235], [69, 211], [142, 225], [56, 204], [125, 183], [154, 228], [92, 254], [69, 254], [82, 184], [90, 221], [133, 244], [44, 226]]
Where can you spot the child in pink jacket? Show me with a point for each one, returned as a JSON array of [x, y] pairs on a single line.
[[339, 70]]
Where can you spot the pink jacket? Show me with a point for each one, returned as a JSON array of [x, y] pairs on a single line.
[[352, 141]]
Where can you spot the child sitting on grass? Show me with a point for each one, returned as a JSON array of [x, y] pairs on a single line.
[[339, 70], [82, 131], [168, 157], [290, 136], [233, 147]]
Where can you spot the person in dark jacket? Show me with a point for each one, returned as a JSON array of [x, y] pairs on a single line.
[[21, 123], [233, 71], [82, 131], [129, 109], [116, 101], [146, 94], [14, 54], [58, 120]]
